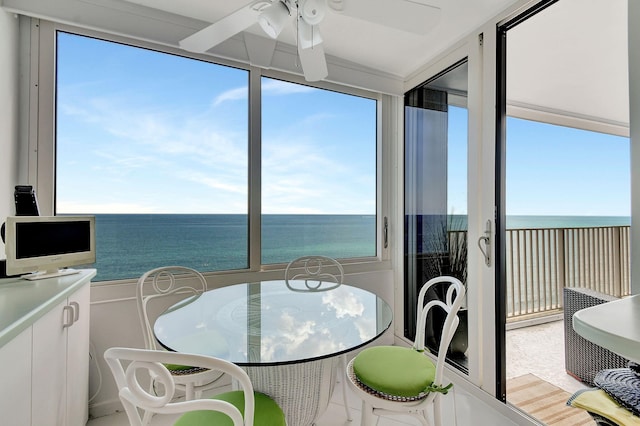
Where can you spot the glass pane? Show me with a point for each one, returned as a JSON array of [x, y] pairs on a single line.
[[318, 173], [436, 199], [156, 146]]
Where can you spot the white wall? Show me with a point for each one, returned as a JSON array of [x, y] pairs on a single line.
[[634, 118], [8, 114]]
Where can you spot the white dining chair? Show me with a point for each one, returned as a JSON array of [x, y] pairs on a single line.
[[319, 273], [243, 407], [401, 380], [157, 290]]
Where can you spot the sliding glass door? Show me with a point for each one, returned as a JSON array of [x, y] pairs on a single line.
[[564, 209], [435, 192]]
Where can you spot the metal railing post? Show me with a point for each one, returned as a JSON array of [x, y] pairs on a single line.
[[560, 255], [617, 263]]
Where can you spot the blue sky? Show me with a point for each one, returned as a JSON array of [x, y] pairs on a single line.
[[566, 172], [145, 132], [551, 170]]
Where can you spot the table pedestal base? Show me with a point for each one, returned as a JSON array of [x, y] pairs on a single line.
[[303, 390]]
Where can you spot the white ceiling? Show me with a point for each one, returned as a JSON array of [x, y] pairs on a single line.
[[570, 64], [373, 45], [567, 65]]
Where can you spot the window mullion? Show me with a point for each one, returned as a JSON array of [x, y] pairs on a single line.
[[255, 168]]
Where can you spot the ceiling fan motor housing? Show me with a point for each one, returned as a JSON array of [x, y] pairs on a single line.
[[312, 11]]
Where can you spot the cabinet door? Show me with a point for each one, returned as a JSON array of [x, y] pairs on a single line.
[[15, 387], [49, 373], [78, 360]]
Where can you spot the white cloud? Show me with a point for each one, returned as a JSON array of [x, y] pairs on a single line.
[[269, 87], [344, 302], [214, 183], [231, 95], [200, 150]]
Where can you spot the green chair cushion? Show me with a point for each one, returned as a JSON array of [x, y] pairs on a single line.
[[177, 367], [267, 412], [394, 370]]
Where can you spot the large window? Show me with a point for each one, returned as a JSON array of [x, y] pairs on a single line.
[[157, 146], [318, 173]]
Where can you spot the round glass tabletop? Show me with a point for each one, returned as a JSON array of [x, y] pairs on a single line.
[[267, 323]]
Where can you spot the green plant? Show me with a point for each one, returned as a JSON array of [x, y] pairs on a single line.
[[445, 249]]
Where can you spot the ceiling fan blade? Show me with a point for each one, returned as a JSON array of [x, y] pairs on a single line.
[[308, 35], [314, 64], [311, 52], [414, 16], [225, 28]]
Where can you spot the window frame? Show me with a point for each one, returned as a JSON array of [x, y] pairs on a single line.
[[40, 134]]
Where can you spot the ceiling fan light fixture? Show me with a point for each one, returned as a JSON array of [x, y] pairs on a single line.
[[273, 18]]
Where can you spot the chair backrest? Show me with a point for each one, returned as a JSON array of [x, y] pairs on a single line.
[[131, 366], [315, 271], [160, 288], [453, 298]]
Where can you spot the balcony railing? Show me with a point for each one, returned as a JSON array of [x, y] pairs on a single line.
[[540, 262]]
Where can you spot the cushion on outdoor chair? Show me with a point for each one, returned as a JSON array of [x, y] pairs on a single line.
[[267, 412], [395, 370], [597, 401], [623, 385]]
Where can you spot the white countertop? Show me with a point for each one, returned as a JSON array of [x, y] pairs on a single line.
[[613, 325], [22, 302]]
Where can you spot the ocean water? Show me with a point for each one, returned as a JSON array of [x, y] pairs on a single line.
[[128, 245], [524, 222]]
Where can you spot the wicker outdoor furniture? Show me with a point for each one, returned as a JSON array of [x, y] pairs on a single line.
[[584, 359]]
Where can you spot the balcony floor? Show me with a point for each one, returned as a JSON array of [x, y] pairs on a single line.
[[539, 350]]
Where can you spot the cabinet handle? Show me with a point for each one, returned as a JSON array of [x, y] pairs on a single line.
[[68, 316], [76, 311]]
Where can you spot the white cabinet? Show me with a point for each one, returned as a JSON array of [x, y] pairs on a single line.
[[44, 350], [15, 391], [60, 368], [78, 360]]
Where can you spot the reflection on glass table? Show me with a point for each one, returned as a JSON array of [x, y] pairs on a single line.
[[297, 335]]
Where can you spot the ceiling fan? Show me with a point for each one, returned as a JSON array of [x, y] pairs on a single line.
[[272, 16], [413, 16]]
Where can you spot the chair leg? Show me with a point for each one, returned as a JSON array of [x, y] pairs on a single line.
[[189, 392], [146, 418], [437, 414], [423, 418], [367, 414], [343, 380]]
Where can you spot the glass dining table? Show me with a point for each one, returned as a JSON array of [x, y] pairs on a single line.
[[289, 338]]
